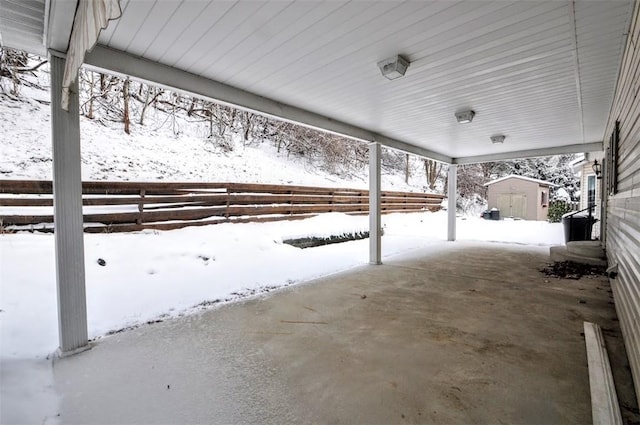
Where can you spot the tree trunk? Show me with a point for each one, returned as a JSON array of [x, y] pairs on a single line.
[[103, 84], [406, 170], [173, 115], [192, 107], [146, 104], [432, 170], [125, 95], [91, 83], [210, 122], [247, 127]]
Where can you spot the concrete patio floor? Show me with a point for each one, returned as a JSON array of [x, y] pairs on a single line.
[[462, 332]]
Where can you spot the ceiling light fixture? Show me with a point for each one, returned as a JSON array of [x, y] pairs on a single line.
[[497, 139], [394, 67], [465, 116]]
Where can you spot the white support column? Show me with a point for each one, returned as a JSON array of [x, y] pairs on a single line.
[[375, 223], [451, 207], [67, 209]]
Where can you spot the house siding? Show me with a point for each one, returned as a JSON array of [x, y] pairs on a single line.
[[623, 207]]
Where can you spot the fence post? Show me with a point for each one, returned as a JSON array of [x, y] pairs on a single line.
[[141, 206], [226, 208]]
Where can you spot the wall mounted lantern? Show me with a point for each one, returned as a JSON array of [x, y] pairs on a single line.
[[597, 168]]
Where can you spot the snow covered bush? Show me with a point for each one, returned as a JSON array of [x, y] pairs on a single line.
[[557, 209]]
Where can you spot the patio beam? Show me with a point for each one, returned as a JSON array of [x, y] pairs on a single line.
[[375, 222], [122, 63], [451, 205], [60, 23], [67, 210], [531, 153]]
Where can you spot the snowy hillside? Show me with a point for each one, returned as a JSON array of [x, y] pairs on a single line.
[[152, 152]]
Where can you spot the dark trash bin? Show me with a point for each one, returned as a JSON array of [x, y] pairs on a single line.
[[486, 215], [495, 214], [577, 227]]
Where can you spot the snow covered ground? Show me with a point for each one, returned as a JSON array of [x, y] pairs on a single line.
[[153, 275], [135, 278], [156, 274], [150, 276]]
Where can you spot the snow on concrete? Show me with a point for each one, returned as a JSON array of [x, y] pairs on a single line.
[[155, 275], [152, 275], [140, 277]]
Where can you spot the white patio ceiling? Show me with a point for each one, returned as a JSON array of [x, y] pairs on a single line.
[[542, 73]]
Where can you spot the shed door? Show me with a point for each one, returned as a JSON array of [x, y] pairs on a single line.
[[512, 205]]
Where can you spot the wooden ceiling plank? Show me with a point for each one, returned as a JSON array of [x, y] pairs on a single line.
[[332, 27], [221, 33], [185, 40], [291, 29], [132, 18], [219, 56], [324, 76], [155, 23]]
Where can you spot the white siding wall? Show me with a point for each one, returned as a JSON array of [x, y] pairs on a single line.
[[623, 208]]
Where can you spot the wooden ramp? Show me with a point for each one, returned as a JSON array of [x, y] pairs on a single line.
[[604, 400]]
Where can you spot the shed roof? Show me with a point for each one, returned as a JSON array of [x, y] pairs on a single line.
[[529, 179]]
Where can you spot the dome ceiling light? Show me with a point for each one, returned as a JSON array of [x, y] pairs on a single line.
[[465, 117], [394, 67]]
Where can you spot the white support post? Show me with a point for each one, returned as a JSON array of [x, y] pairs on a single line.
[[375, 223], [451, 207], [67, 210]]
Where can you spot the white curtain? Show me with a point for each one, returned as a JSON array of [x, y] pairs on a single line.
[[92, 16]]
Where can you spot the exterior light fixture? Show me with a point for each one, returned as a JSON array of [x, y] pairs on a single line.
[[497, 139], [597, 168], [394, 67], [465, 116]]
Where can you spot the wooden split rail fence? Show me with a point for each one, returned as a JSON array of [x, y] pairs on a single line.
[[131, 206]]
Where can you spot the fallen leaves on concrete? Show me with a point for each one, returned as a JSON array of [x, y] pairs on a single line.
[[572, 270]]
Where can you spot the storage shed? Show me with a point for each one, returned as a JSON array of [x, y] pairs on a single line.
[[519, 197]]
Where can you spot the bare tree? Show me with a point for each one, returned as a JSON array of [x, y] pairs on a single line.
[[432, 170], [91, 83], [406, 170], [103, 84], [145, 104], [247, 124], [14, 65], [125, 97]]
